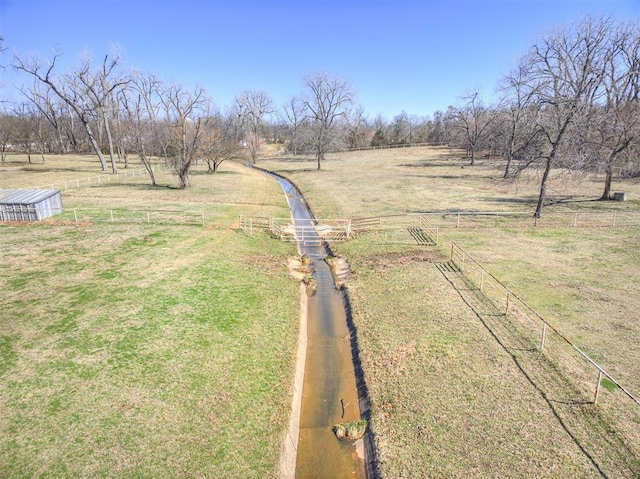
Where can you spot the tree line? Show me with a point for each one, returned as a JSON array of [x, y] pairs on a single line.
[[571, 101]]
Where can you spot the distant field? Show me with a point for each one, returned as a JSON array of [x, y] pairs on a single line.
[[457, 391], [145, 350]]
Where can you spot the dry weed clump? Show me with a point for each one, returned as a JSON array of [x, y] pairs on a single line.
[[349, 431], [302, 270]]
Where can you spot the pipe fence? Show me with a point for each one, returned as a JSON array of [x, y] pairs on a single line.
[[169, 217], [544, 335], [303, 231]]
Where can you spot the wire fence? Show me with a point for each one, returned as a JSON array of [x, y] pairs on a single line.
[[168, 217], [493, 219], [542, 335], [396, 145], [98, 180]]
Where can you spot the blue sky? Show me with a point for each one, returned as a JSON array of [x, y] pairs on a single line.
[[411, 55]]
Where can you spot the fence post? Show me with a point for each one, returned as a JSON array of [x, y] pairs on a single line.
[[544, 335], [78, 184], [451, 258], [348, 229], [506, 311], [111, 213], [595, 398], [75, 214], [575, 220], [613, 225], [65, 186]]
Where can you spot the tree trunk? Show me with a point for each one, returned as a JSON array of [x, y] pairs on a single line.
[[114, 166], [94, 143], [509, 159], [147, 164], [606, 195], [473, 155], [184, 179], [543, 187]]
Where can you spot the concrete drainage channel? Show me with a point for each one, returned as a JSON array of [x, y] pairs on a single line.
[[328, 389]]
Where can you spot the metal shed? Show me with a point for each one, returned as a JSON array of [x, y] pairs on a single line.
[[29, 205]]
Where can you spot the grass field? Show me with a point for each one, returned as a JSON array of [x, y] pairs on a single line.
[[145, 350], [163, 350], [456, 390]]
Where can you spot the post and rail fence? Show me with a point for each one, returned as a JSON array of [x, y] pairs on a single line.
[[514, 305]]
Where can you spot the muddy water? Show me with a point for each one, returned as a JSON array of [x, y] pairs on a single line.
[[329, 393]]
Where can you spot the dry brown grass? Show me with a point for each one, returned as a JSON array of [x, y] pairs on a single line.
[[457, 391]]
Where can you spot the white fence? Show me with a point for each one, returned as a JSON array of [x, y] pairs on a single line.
[[98, 180], [286, 229], [401, 229], [170, 217]]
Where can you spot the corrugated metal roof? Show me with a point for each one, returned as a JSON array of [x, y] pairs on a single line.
[[25, 197]]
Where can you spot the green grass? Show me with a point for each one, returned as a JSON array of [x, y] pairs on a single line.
[[147, 350]]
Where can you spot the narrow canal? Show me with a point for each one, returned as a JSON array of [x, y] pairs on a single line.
[[329, 391]]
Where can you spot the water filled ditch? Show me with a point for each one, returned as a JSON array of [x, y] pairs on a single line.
[[329, 390]]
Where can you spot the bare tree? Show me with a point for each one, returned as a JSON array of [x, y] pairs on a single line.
[[48, 110], [141, 103], [328, 101], [99, 87], [615, 123], [295, 117], [516, 122], [357, 126], [24, 128], [73, 97], [219, 142], [472, 120], [6, 124], [253, 107], [562, 75], [188, 113], [400, 129]]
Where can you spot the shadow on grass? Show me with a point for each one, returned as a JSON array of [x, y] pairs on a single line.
[[570, 199], [602, 446], [371, 451]]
